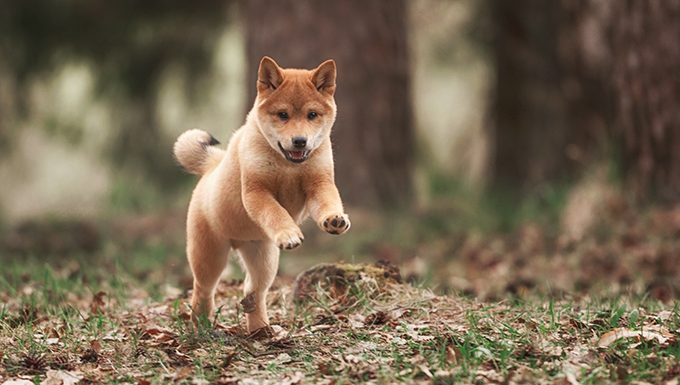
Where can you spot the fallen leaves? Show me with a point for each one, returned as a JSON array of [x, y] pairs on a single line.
[[626, 251], [92, 353], [52, 377], [400, 334], [62, 377], [160, 336], [18, 381], [97, 305], [657, 334]]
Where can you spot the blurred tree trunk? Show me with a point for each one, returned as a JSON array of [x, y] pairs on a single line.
[[373, 136], [576, 76], [646, 69], [528, 112], [551, 104]]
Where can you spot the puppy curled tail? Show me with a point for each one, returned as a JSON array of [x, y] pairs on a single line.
[[195, 151]]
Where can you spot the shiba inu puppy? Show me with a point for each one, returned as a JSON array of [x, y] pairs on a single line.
[[277, 170]]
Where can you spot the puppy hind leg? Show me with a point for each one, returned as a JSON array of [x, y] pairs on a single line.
[[261, 261], [207, 258]]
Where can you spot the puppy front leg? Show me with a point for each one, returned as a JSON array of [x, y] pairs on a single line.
[[261, 261], [325, 206], [272, 218]]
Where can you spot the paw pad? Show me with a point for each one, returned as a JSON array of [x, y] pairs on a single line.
[[336, 224]]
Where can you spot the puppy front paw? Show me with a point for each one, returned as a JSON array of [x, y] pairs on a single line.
[[336, 224], [289, 239]]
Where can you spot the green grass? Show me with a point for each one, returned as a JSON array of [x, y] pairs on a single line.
[[50, 321], [120, 315]]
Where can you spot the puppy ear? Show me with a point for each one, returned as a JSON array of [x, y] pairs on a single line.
[[269, 76], [323, 77]]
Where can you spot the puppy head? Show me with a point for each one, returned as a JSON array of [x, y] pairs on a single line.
[[295, 108]]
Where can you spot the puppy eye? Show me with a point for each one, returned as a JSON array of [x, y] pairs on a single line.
[[312, 115], [283, 115]]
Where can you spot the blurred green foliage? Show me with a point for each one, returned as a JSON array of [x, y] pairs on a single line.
[[131, 44]]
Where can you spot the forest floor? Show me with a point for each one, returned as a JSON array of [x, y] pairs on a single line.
[[519, 307]]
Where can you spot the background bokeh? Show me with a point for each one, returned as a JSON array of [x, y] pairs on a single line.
[[94, 94], [472, 136]]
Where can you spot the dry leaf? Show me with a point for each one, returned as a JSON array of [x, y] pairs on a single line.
[[619, 333], [18, 382], [425, 370], [664, 315], [96, 346], [62, 377], [316, 328], [115, 335], [452, 355], [183, 372], [283, 358], [294, 379], [352, 359], [97, 305], [571, 378], [377, 318], [397, 313], [356, 321]]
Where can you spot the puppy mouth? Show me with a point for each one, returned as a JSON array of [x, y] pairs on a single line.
[[295, 156]]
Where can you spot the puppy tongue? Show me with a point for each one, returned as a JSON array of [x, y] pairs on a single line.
[[297, 154]]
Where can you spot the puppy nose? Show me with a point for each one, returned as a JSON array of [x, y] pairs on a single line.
[[299, 141]]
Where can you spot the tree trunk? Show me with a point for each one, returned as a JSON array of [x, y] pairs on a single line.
[[373, 136], [528, 110], [552, 101], [646, 68]]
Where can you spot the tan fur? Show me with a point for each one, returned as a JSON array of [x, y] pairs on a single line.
[[250, 197], [194, 151]]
